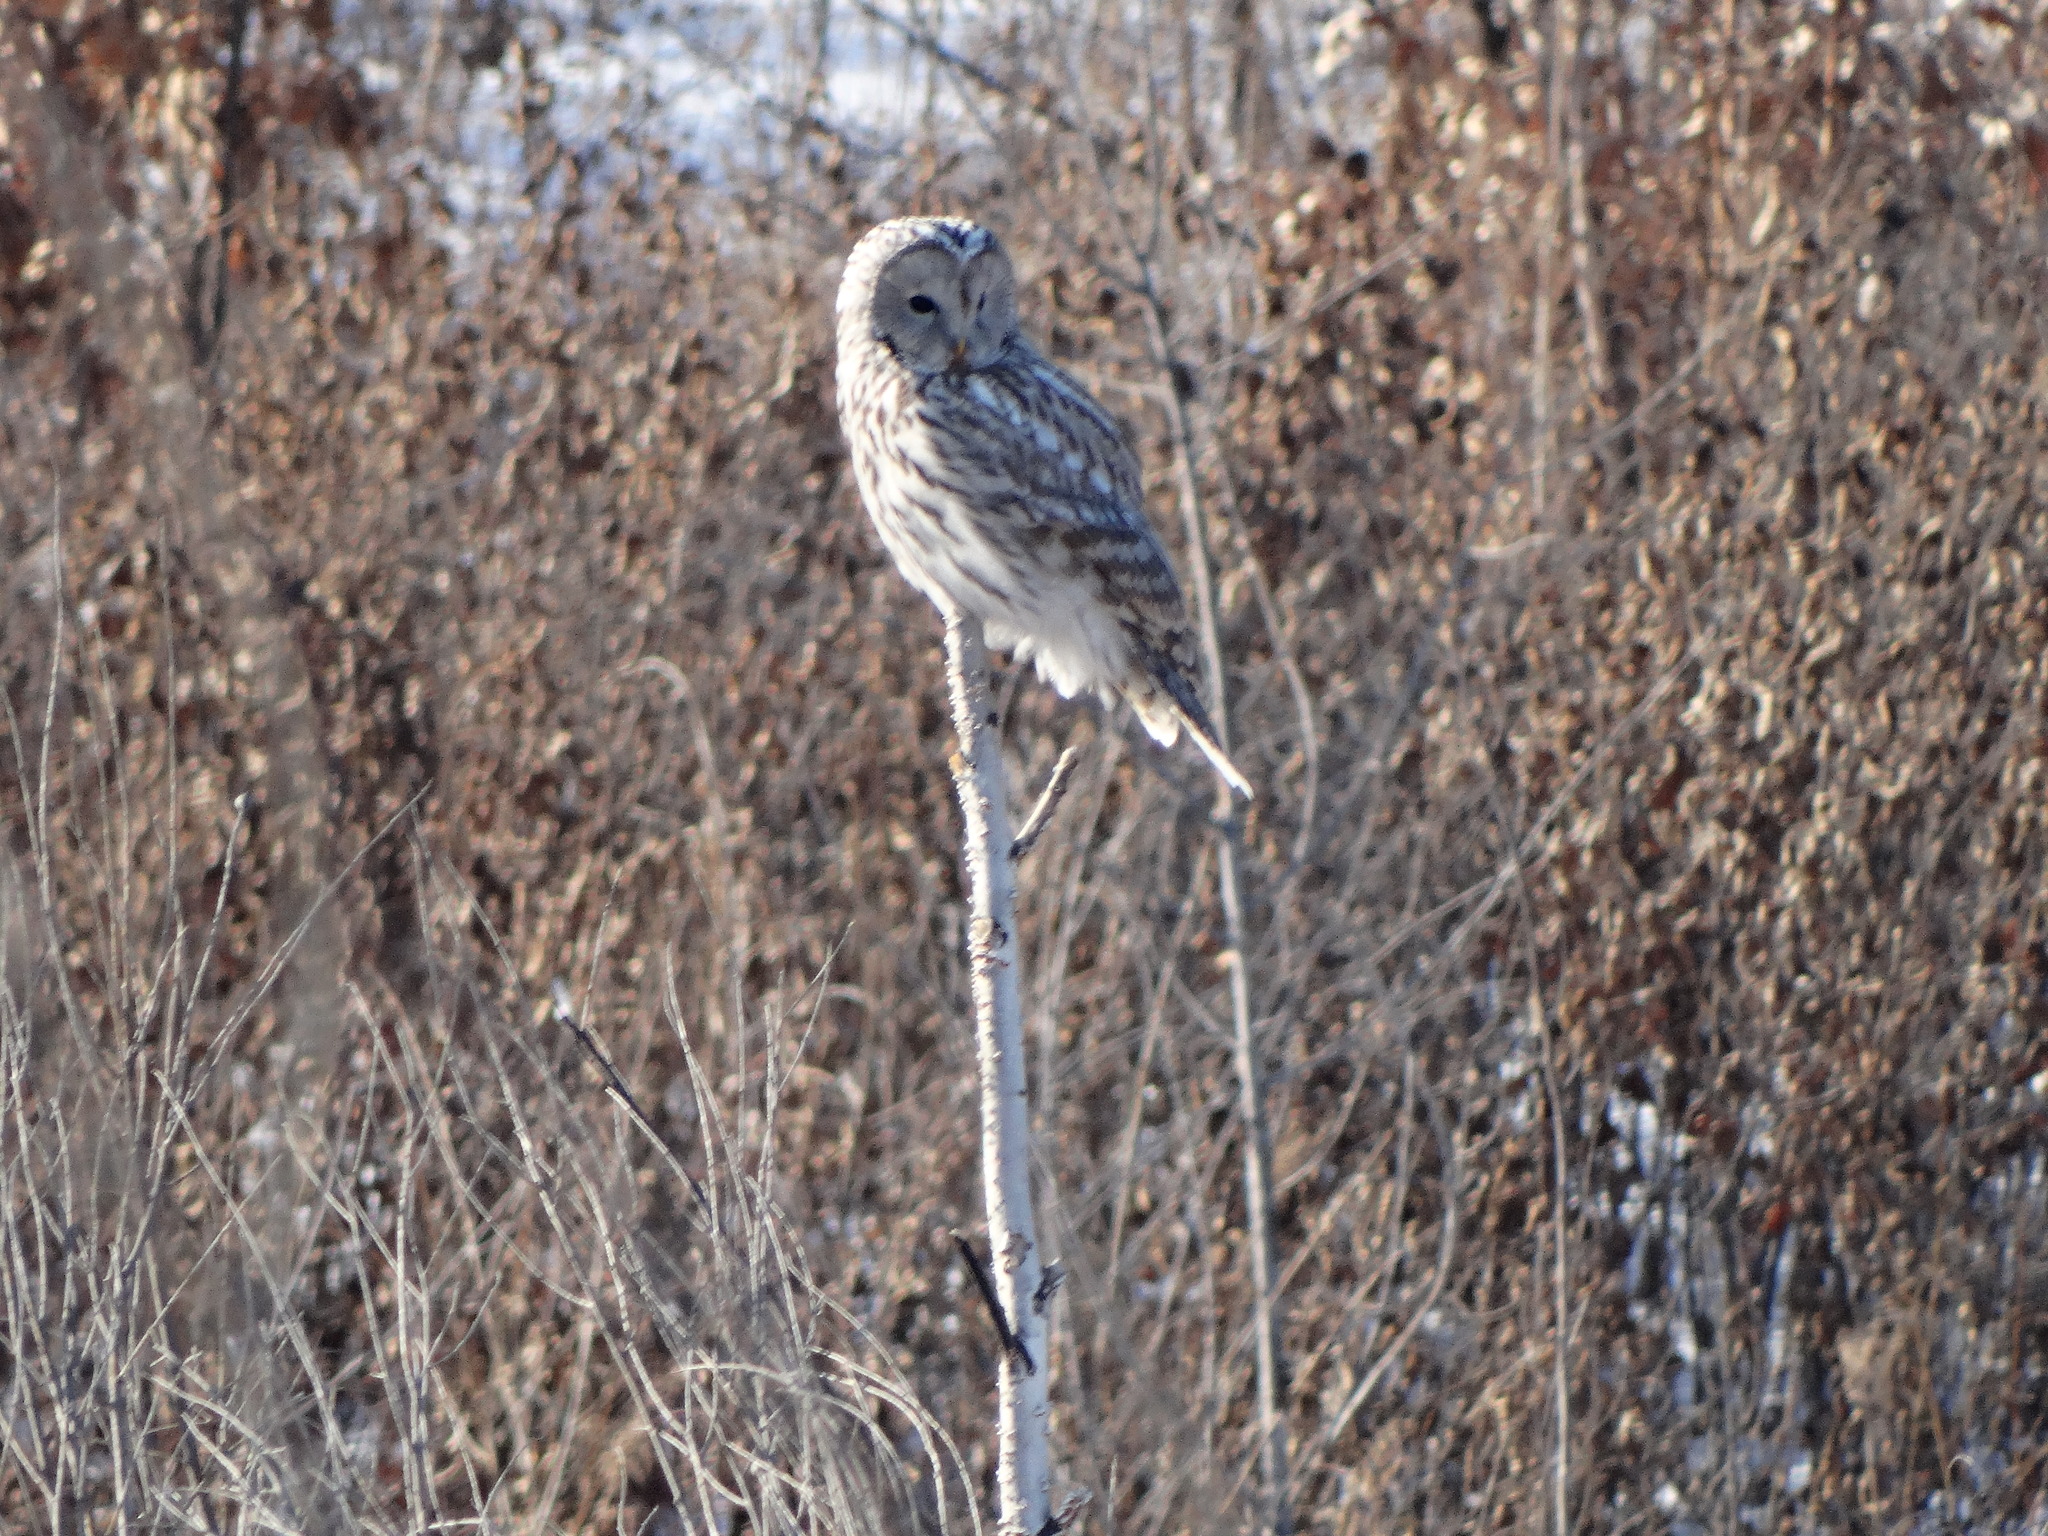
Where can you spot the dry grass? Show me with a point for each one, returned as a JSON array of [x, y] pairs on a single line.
[[1627, 484]]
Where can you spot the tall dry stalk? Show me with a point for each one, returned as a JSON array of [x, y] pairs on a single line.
[[1267, 1314]]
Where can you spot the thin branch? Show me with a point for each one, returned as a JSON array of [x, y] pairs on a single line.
[[1069, 1514], [1038, 105], [1540, 424], [982, 1283], [615, 1085], [1447, 1245], [1560, 1376], [1048, 802], [1258, 1151]]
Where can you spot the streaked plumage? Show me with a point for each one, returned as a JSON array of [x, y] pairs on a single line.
[[998, 484]]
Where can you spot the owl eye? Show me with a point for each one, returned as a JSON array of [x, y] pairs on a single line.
[[921, 305]]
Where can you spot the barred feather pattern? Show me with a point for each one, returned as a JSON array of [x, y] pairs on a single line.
[[998, 484]]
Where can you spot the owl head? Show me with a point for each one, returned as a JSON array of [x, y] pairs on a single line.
[[937, 293]]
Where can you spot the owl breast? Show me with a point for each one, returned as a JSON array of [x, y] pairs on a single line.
[[937, 469]]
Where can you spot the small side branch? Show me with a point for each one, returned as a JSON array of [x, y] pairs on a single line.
[[1048, 802], [982, 1283], [1069, 1516]]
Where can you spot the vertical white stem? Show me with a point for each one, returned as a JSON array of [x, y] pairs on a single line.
[[1024, 1463]]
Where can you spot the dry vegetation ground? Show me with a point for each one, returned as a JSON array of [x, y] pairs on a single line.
[[1623, 438]]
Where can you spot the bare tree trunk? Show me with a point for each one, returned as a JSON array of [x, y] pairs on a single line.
[[1024, 1409]]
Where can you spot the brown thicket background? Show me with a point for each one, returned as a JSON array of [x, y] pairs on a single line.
[[437, 621]]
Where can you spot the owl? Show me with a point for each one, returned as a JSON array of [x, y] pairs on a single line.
[[999, 485]]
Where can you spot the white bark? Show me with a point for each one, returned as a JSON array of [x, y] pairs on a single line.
[[1024, 1409]]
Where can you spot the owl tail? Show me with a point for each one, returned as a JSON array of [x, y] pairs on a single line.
[[1164, 709]]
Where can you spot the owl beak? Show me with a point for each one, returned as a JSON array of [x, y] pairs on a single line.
[[959, 354]]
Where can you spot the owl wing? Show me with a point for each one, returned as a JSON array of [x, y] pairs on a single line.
[[1043, 451], [1083, 456], [1046, 454]]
